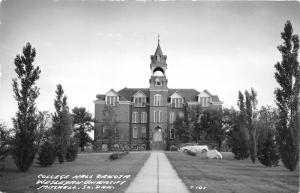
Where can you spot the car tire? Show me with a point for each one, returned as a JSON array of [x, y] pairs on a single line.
[[204, 151]]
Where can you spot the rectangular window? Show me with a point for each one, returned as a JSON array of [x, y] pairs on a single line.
[[159, 116], [143, 132], [135, 117], [177, 102], [135, 132], [172, 117], [172, 133], [140, 101], [112, 100], [144, 117], [157, 100]]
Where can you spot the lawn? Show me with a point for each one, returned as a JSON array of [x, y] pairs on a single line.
[[232, 176], [12, 181]]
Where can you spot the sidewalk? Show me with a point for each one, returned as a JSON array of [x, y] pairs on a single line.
[[157, 176]]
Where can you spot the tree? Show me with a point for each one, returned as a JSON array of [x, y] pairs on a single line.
[[287, 98], [109, 125], [250, 114], [62, 123], [5, 143], [183, 126], [235, 133], [268, 153], [210, 126], [47, 154], [43, 127], [26, 120], [82, 120]]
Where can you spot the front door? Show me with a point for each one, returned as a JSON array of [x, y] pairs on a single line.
[[157, 142]]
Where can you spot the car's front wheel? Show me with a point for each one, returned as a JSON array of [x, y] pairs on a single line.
[[204, 151]]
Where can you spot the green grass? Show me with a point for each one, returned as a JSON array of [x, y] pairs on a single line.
[[232, 176], [12, 181]]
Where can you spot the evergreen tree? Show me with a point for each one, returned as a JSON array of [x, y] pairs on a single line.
[[26, 121], [62, 123], [47, 154], [287, 98], [82, 124], [236, 136], [250, 114]]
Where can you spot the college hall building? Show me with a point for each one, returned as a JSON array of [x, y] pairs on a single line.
[[145, 116]]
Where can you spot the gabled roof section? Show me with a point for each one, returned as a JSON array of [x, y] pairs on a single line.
[[127, 93], [176, 95], [139, 93], [111, 92], [187, 94], [214, 98]]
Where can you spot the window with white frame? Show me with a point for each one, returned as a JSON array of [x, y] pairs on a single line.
[[172, 117], [143, 132], [139, 101], [172, 133], [177, 102], [135, 132], [143, 117], [135, 117], [112, 100], [204, 101], [157, 100], [159, 116], [155, 116]]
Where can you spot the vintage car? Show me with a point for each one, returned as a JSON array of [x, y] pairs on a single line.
[[214, 154], [194, 148]]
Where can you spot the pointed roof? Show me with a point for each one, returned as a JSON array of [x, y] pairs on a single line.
[[158, 49]]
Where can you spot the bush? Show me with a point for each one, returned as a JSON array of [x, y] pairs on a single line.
[[268, 153], [47, 154], [173, 148], [189, 152], [72, 151], [118, 155]]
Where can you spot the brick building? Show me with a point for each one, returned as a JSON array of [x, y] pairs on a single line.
[[145, 116]]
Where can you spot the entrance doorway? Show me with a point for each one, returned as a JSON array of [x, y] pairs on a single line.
[[157, 142]]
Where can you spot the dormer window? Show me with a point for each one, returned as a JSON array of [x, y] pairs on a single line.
[[176, 100], [204, 101], [112, 100], [139, 101]]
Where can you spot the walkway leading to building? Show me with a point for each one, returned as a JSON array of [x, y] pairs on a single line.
[[157, 176]]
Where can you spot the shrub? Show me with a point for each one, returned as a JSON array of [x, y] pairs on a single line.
[[268, 153], [173, 148], [5, 144], [72, 151], [189, 152], [117, 155], [47, 154]]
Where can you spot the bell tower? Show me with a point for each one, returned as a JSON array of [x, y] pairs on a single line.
[[158, 68]]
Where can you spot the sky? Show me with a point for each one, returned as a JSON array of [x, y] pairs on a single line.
[[92, 46]]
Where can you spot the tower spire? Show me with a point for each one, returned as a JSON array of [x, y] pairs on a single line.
[[158, 38]]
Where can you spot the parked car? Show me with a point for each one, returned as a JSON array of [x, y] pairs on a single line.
[[214, 154], [194, 148]]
